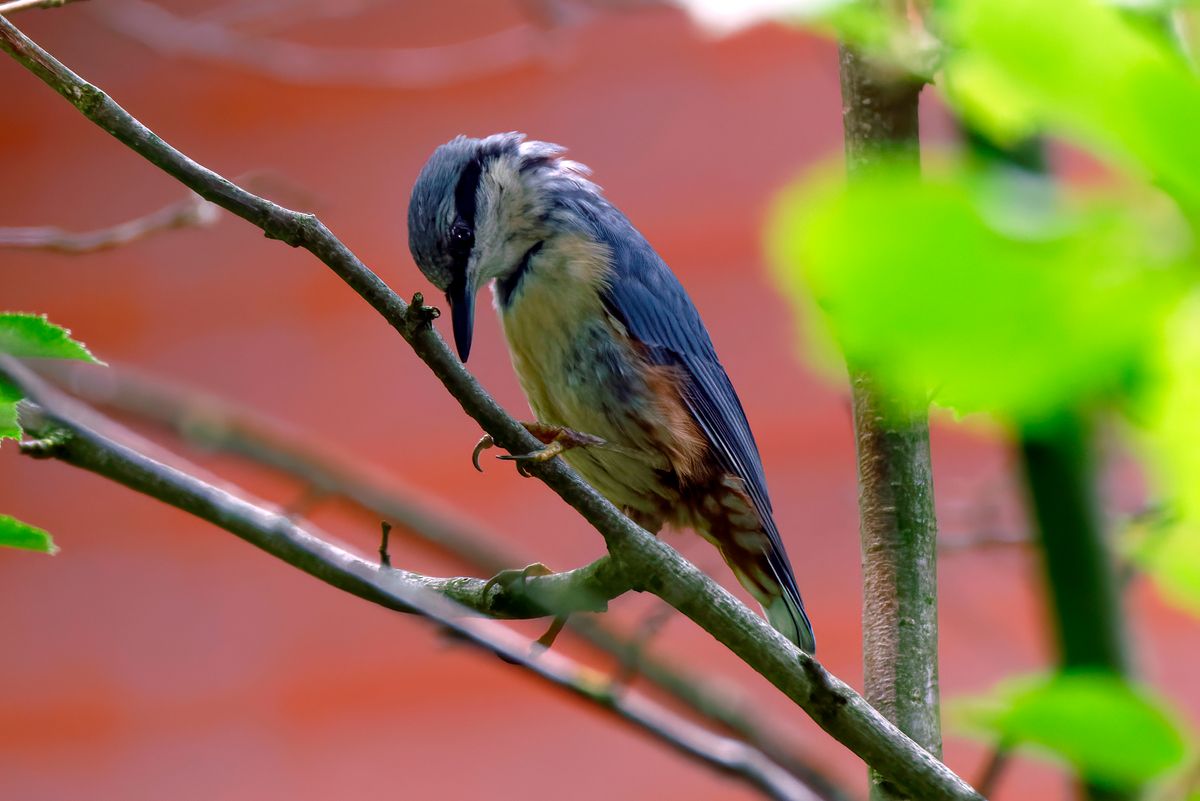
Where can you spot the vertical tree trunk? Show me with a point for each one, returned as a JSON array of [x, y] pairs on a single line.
[[898, 525]]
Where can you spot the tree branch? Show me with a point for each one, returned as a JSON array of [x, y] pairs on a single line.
[[648, 562], [191, 211], [895, 474], [399, 590], [217, 424], [585, 589]]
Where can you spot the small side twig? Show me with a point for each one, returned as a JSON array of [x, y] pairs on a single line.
[[192, 211], [950, 544], [385, 559]]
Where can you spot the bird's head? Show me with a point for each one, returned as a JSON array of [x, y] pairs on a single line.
[[479, 208]]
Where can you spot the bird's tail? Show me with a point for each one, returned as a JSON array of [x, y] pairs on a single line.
[[786, 615], [751, 547], [774, 587]]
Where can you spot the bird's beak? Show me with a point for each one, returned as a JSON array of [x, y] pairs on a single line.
[[461, 297]]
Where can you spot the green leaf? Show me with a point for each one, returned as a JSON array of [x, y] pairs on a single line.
[[33, 336], [1108, 730], [10, 428], [1169, 427], [985, 292], [1080, 69], [15, 534]]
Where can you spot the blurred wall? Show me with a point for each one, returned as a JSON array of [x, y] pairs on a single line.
[[157, 657]]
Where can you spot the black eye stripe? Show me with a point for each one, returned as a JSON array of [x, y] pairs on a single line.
[[466, 190]]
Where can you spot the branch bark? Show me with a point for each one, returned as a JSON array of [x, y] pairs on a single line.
[[585, 589], [436, 599], [898, 524], [217, 424], [649, 563]]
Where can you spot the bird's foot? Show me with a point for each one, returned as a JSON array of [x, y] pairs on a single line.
[[517, 576], [558, 440], [514, 580]]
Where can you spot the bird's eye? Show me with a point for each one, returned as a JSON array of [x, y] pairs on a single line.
[[462, 239]]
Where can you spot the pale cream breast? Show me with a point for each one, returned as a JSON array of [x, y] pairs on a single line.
[[578, 370]]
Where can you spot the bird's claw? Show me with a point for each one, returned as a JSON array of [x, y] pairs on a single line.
[[558, 441], [508, 578], [484, 443]]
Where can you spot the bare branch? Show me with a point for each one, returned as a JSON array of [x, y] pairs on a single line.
[[278, 13], [649, 563], [406, 68], [217, 424], [191, 211], [585, 589], [24, 5], [436, 599]]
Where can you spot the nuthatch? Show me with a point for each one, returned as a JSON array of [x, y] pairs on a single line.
[[605, 341]]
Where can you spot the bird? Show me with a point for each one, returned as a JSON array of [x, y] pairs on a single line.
[[609, 349]]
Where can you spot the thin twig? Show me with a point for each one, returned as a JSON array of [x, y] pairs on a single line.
[[949, 544], [649, 562], [385, 558], [282, 12], [24, 5], [192, 211], [399, 590], [997, 761], [293, 62]]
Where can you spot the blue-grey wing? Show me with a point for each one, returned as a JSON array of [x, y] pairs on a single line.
[[654, 307]]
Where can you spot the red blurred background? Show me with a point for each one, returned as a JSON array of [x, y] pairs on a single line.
[[157, 656]]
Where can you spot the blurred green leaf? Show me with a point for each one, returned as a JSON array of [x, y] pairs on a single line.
[[1108, 730], [1080, 69], [10, 428], [33, 336], [983, 292], [15, 534], [1170, 550]]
